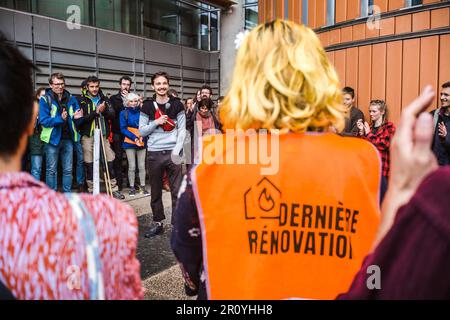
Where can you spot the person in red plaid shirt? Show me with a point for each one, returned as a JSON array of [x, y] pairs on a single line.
[[380, 132]]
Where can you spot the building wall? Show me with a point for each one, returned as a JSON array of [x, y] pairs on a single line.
[[231, 24], [108, 54], [392, 58]]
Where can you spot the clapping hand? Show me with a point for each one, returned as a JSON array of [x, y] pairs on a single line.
[[78, 114], [442, 130], [101, 107], [64, 114]]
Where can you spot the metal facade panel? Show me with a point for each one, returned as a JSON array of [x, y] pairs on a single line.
[[115, 44], [195, 58], [22, 28], [79, 40], [41, 31], [114, 64], [162, 52], [26, 51], [214, 60], [193, 74], [139, 48], [73, 59], [7, 23]]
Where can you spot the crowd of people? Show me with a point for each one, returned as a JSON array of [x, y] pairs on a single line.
[[349, 194]]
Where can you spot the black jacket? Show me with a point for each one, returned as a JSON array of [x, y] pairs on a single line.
[[117, 105], [89, 115]]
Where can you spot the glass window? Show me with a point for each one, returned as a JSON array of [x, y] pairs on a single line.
[[330, 12], [187, 22], [192, 34], [251, 17], [118, 15], [367, 8], [58, 9], [410, 3], [214, 32], [22, 5], [305, 12], [161, 20]]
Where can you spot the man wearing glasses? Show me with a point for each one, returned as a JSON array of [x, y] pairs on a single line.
[[58, 110]]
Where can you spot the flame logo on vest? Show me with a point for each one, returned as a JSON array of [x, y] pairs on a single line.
[[262, 200], [266, 203]]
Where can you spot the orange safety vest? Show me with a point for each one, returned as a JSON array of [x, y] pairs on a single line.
[[300, 233]]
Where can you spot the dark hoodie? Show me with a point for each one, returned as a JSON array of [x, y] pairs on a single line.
[[117, 104], [86, 126]]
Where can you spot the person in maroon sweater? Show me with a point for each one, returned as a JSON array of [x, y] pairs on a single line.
[[412, 248]]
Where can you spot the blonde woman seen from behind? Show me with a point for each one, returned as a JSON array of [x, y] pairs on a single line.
[[302, 230]]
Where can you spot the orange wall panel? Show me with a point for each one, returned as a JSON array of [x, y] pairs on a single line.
[[353, 9], [411, 72], [296, 10], [364, 78], [330, 55], [339, 63], [378, 71], [346, 34], [291, 10], [325, 38], [351, 72], [387, 27], [430, 1], [396, 4], [335, 37], [429, 59], [341, 11], [440, 18], [444, 61], [312, 14], [359, 31], [394, 58], [421, 21], [373, 31], [403, 24], [321, 13], [279, 10], [382, 4]]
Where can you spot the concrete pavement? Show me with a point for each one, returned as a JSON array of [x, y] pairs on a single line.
[[160, 273]]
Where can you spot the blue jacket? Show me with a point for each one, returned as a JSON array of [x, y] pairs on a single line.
[[129, 117], [50, 111]]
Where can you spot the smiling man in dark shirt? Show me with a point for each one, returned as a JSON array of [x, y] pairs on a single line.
[[441, 117]]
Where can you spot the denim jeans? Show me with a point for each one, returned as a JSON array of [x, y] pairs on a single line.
[[80, 162], [36, 166], [52, 153]]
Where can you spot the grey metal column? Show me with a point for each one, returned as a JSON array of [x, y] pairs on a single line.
[[33, 50], [50, 65]]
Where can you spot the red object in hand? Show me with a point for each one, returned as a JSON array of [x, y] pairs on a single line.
[[169, 125]]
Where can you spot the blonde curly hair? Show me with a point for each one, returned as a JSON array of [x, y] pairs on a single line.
[[283, 80]]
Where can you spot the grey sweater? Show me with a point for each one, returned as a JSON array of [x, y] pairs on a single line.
[[160, 140]]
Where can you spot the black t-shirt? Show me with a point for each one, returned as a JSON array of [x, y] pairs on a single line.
[[172, 108]]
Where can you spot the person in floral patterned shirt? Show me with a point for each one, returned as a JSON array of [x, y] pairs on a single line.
[[45, 249]]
